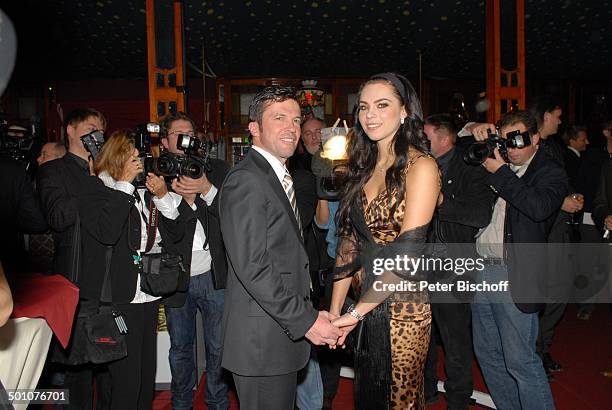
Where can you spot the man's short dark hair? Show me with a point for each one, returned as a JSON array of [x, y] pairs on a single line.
[[80, 115], [572, 133], [542, 105], [267, 96], [444, 121], [166, 122], [522, 116]]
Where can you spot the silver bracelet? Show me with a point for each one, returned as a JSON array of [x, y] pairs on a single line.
[[353, 312]]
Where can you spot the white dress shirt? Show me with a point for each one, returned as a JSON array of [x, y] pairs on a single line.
[[164, 205], [201, 260]]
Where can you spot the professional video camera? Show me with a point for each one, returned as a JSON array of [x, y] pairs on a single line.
[[16, 142], [193, 164], [478, 152]]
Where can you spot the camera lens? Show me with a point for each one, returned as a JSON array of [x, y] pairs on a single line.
[[192, 169], [476, 154]]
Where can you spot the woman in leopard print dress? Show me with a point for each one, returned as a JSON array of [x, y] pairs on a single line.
[[387, 205]]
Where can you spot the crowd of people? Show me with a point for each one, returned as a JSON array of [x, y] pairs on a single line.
[[284, 279]]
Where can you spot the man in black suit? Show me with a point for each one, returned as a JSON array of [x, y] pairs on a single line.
[[467, 207], [268, 314], [576, 141], [203, 252], [60, 183], [530, 191]]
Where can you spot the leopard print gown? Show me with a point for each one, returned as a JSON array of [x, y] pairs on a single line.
[[410, 322]]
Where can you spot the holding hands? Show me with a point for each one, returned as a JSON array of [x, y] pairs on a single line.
[[323, 331]]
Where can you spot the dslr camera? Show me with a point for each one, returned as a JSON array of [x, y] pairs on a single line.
[[93, 143], [193, 164], [478, 152]]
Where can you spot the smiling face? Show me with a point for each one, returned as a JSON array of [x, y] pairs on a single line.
[[380, 111], [279, 131]]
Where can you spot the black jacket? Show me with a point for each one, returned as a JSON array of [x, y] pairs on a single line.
[[468, 202], [533, 202], [66, 189], [19, 212], [602, 204], [593, 160], [209, 218], [572, 167], [59, 182]]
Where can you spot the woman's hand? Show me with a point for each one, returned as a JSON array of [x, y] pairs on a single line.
[[132, 167], [156, 185], [346, 323]]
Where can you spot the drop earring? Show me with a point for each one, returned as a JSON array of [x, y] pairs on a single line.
[[402, 121]]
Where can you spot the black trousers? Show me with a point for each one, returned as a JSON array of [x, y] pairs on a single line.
[[133, 377], [549, 318], [79, 382], [266, 392], [453, 331], [330, 360]]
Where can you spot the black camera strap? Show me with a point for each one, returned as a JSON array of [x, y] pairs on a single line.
[[151, 221], [151, 225]]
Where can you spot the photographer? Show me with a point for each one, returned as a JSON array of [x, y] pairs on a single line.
[[133, 377], [60, 183], [530, 191], [467, 206], [203, 254]]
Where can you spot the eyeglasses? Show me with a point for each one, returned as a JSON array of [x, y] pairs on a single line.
[[179, 132]]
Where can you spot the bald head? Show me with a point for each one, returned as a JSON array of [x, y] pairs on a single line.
[[51, 151], [311, 134]]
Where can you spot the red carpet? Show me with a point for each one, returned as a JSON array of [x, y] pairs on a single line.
[[584, 348]]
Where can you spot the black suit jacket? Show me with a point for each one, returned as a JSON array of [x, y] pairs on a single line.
[[267, 304], [602, 204], [533, 202], [19, 212], [468, 202], [59, 182], [209, 218], [572, 167], [66, 189]]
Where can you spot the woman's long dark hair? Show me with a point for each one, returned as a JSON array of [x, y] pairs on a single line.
[[363, 152]]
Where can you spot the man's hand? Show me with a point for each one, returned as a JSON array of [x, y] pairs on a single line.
[[194, 186], [573, 203], [493, 164], [479, 131], [156, 185], [608, 222], [346, 323], [185, 188], [322, 331]]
